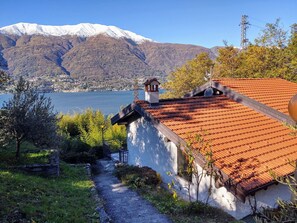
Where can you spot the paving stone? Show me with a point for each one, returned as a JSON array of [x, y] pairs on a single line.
[[122, 204]]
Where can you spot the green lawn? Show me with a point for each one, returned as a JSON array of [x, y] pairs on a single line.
[[33, 198], [58, 199]]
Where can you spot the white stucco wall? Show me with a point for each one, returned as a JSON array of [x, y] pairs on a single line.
[[148, 147]]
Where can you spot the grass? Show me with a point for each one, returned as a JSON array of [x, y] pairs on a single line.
[[31, 198], [29, 155], [180, 211], [59, 199], [7, 158]]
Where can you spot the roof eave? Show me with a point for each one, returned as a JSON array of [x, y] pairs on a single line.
[[129, 110]]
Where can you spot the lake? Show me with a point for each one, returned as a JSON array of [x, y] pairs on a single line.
[[109, 102]]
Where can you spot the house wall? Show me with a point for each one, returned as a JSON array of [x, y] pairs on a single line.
[[148, 147]]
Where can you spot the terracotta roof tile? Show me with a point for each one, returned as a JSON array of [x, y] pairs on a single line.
[[273, 92], [245, 143]]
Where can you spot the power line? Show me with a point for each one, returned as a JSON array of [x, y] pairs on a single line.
[[260, 27], [258, 20]]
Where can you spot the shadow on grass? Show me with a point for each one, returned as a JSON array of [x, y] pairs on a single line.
[[56, 199]]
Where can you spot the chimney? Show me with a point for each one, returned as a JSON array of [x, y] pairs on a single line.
[[152, 91]]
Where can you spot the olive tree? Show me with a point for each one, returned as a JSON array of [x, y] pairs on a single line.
[[28, 116]]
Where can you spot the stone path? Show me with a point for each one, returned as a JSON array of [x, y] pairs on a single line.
[[122, 204]]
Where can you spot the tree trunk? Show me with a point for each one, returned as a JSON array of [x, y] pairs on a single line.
[[17, 145]]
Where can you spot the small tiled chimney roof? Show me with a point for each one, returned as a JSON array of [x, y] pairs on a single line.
[[151, 80], [152, 91]]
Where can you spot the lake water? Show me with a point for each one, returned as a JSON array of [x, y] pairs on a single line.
[[109, 102]]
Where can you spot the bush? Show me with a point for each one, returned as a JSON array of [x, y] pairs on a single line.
[[83, 132], [74, 145], [138, 176], [81, 157], [97, 152]]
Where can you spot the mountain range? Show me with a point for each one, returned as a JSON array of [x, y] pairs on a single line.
[[87, 56]]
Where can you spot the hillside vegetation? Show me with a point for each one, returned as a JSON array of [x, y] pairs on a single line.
[[272, 55], [98, 62]]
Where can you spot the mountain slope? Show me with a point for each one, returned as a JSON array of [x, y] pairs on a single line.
[[101, 61], [165, 57]]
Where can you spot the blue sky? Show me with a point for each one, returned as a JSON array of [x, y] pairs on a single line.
[[205, 23]]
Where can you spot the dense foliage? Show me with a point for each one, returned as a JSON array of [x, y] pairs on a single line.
[[83, 135], [187, 77], [138, 176], [273, 54], [28, 116]]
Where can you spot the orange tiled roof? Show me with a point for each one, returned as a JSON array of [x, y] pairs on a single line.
[[273, 92], [245, 143]]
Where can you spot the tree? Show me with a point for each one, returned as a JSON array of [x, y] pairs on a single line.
[[28, 116], [292, 52], [188, 77], [273, 36], [273, 55], [228, 62]]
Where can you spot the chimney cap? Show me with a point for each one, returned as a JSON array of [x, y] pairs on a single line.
[[151, 80]]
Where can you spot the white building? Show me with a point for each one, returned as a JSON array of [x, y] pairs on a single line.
[[241, 138]]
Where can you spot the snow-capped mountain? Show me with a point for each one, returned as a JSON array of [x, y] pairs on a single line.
[[82, 29]]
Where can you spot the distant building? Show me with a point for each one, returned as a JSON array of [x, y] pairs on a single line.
[[242, 120]]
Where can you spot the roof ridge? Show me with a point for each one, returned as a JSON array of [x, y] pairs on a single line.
[[250, 78], [177, 99]]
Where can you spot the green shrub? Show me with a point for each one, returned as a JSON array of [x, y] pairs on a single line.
[[74, 145], [86, 130], [138, 176], [81, 157], [97, 152]]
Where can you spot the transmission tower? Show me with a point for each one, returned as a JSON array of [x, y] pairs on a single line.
[[244, 26]]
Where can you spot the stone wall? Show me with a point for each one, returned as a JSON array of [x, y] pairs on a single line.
[[52, 168]]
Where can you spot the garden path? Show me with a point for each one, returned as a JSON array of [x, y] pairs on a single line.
[[122, 204]]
